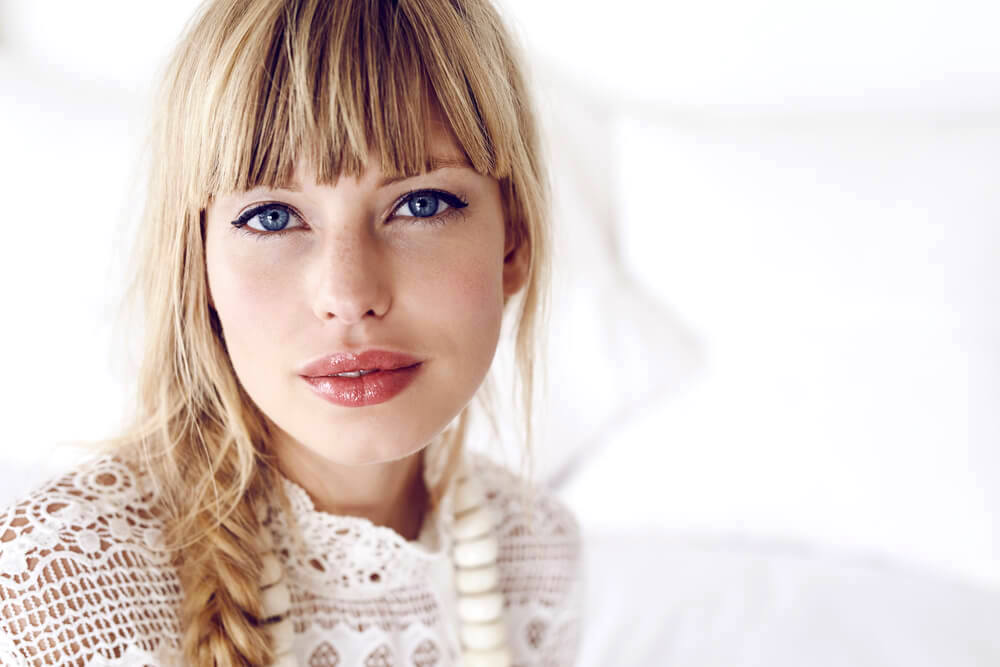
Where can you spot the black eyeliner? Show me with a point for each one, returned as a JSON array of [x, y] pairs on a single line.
[[454, 201], [251, 212], [449, 198]]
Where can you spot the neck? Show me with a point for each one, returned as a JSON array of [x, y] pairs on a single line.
[[390, 494]]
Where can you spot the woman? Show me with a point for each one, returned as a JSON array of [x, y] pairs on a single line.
[[344, 198]]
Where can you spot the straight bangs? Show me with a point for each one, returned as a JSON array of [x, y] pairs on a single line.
[[342, 86]]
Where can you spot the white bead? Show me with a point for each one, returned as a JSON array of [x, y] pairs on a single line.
[[499, 657], [480, 608], [469, 494], [285, 660], [276, 600], [474, 524], [272, 571], [282, 634], [476, 580], [482, 636], [476, 553]]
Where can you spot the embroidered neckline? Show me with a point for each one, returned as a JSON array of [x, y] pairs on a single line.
[[346, 555]]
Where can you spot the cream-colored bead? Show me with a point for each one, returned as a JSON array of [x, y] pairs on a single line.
[[276, 600], [483, 636], [477, 580], [499, 657], [265, 541], [480, 608], [283, 634], [476, 553], [469, 494], [285, 660], [476, 523], [272, 571]]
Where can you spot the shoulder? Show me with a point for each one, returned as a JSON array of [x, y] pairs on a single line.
[[83, 551], [541, 566], [539, 536], [84, 512]]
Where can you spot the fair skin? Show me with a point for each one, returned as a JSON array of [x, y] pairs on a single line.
[[356, 268]]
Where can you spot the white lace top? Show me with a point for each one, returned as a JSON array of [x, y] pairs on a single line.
[[83, 581]]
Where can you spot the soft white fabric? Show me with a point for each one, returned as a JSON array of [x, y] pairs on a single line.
[[844, 276], [82, 575], [688, 599]]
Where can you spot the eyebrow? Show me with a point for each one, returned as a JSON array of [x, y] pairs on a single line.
[[436, 163]]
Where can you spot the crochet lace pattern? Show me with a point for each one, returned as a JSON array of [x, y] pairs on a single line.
[[84, 579]]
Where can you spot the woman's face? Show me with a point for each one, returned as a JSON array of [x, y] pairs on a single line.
[[321, 270]]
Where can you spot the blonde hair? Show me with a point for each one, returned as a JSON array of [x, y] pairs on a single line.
[[252, 86]]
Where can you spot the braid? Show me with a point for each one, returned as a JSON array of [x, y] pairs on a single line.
[[220, 575]]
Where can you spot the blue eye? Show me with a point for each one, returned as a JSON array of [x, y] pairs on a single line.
[[266, 218], [424, 205], [273, 219], [429, 203]]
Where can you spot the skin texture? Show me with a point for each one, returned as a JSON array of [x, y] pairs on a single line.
[[358, 270]]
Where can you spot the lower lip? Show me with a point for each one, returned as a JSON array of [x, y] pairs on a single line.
[[368, 389]]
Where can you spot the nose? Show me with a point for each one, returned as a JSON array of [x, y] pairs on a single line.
[[351, 280]]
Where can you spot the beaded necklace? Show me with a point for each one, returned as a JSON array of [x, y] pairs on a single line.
[[474, 558]]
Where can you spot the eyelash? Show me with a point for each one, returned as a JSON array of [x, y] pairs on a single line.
[[455, 204]]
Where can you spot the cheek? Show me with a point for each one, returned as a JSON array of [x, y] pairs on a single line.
[[479, 289], [249, 295], [470, 298], [476, 270]]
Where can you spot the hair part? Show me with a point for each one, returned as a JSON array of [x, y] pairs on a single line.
[[253, 87]]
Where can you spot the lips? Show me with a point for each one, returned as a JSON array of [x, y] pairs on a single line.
[[346, 362], [366, 390]]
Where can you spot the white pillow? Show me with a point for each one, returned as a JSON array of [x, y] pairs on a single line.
[[843, 274], [686, 598]]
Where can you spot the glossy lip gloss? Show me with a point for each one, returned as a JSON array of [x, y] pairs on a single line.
[[369, 389]]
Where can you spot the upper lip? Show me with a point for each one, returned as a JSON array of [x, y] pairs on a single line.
[[345, 362]]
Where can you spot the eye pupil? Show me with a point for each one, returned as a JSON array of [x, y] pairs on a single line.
[[274, 219], [424, 205]]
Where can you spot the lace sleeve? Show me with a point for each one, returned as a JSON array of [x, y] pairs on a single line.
[[541, 569], [80, 581], [8, 658]]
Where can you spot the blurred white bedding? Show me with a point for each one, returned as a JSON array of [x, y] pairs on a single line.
[[696, 600]]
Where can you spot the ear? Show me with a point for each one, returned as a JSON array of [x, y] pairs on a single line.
[[516, 262]]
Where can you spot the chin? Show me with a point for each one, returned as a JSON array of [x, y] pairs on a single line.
[[360, 451]]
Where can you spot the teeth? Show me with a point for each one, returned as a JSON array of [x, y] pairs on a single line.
[[354, 374]]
